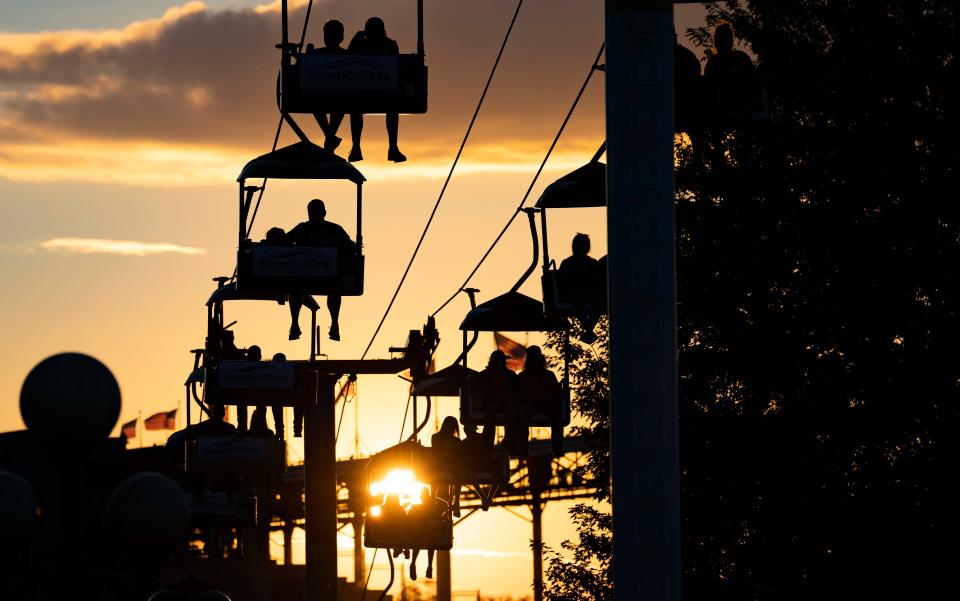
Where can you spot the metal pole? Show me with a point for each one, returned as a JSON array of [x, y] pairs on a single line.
[[320, 490], [287, 544], [444, 580], [536, 511], [642, 300], [420, 29], [284, 33], [358, 555]]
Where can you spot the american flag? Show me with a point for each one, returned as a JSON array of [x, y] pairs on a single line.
[[165, 420], [129, 429], [516, 352]]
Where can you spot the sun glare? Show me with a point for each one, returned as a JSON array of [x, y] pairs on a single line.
[[401, 483]]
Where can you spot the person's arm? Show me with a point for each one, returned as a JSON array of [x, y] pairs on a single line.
[[356, 42], [295, 235]]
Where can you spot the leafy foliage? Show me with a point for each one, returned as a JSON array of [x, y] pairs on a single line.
[[817, 274]]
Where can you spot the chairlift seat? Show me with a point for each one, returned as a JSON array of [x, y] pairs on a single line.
[[403, 531], [270, 383], [353, 83], [474, 410], [565, 293], [215, 509], [335, 268], [237, 456]]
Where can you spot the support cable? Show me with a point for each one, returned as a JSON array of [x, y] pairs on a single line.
[[306, 21], [370, 571], [263, 186], [389, 586], [443, 189], [593, 67]]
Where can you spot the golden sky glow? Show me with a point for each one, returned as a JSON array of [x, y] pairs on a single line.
[[119, 149]]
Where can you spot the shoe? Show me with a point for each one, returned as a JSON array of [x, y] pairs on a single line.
[[294, 332], [335, 332], [355, 155], [456, 514], [429, 571], [395, 155], [330, 144]]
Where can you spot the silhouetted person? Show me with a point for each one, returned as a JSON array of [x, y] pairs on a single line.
[[686, 85], [252, 354], [274, 237], [581, 276], [373, 40], [278, 409], [258, 423], [228, 346], [317, 230], [729, 76], [446, 444], [426, 515], [214, 426], [493, 387], [539, 388], [332, 38]]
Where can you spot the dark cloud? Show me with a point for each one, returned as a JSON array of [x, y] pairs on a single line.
[[208, 77]]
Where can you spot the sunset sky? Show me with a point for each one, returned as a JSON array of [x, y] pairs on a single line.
[[123, 126]]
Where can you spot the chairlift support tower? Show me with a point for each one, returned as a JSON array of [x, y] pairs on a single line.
[[642, 300]]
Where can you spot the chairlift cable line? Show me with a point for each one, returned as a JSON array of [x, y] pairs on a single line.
[[443, 189], [276, 136], [263, 186], [370, 571], [593, 67], [306, 21]]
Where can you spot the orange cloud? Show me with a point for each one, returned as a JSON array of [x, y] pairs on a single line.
[[190, 95], [127, 248]]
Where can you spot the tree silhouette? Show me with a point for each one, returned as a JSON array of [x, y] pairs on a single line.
[[817, 271]]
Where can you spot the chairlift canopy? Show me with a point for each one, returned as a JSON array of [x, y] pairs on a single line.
[[302, 160], [445, 382], [582, 187], [511, 312], [229, 293]]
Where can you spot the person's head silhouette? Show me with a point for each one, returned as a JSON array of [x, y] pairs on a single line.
[[275, 234], [254, 353], [534, 357], [374, 28], [279, 357], [581, 245], [723, 38], [316, 210], [332, 33], [497, 359], [450, 426]]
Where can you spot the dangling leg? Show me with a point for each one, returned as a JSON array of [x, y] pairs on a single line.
[[295, 304], [297, 422], [242, 419], [329, 129], [393, 126], [333, 305], [429, 563], [278, 421], [356, 130], [413, 565]]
